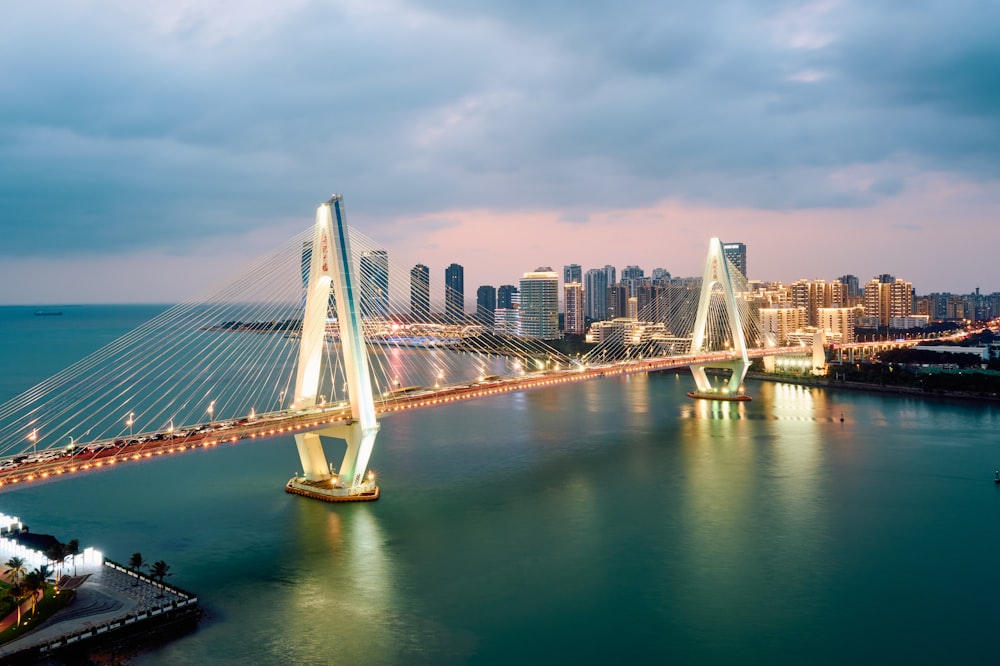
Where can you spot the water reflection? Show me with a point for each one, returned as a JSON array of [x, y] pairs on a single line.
[[342, 595], [745, 483]]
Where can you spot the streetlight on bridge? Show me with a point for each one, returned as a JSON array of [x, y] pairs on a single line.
[[129, 420], [211, 411]]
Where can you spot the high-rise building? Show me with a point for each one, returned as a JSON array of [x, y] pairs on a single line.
[[540, 304], [420, 293], [808, 294], [643, 294], [595, 293], [617, 301], [574, 322], [610, 275], [505, 297], [887, 297], [660, 275], [632, 273], [486, 304], [851, 284], [737, 254], [632, 277], [572, 273], [373, 283], [507, 320], [838, 322], [454, 293], [777, 323]]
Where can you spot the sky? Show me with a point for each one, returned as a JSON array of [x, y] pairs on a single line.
[[148, 149]]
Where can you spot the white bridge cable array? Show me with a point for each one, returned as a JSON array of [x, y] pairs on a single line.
[[230, 357], [416, 344], [665, 325], [178, 370]]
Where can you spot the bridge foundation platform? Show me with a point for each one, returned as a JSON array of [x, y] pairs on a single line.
[[327, 492], [719, 396]]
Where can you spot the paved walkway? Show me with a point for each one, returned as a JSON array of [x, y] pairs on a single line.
[[106, 595]]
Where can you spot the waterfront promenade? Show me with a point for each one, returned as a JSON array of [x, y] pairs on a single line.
[[109, 599]]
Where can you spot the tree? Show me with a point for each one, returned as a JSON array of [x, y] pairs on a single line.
[[57, 554], [34, 582], [159, 570], [17, 593], [16, 568], [136, 562]]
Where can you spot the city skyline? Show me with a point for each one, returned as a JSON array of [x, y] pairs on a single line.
[[149, 151]]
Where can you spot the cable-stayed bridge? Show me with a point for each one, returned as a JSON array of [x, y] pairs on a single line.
[[322, 338]]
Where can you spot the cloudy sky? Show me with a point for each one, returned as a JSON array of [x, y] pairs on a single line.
[[148, 148]]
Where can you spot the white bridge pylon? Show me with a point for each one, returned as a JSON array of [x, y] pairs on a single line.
[[332, 268], [717, 272]]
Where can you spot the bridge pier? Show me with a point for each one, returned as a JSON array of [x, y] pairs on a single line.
[[732, 390], [332, 267], [717, 273]]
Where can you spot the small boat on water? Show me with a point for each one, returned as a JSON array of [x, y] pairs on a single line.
[[48, 313], [996, 479]]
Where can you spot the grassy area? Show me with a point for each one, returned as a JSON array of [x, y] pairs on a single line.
[[52, 602]]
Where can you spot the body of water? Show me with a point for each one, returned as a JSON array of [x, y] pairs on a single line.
[[598, 522]]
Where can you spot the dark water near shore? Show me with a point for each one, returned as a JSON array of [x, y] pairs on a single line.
[[609, 520]]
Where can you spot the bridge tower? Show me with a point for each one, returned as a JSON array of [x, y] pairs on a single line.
[[717, 272], [331, 267]]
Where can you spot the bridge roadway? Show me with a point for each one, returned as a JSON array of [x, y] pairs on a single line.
[[108, 453]]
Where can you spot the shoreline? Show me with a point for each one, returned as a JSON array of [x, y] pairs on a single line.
[[823, 382]]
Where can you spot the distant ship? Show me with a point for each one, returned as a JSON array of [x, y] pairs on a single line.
[[47, 313]]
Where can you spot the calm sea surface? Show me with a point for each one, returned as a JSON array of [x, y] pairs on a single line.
[[605, 521]]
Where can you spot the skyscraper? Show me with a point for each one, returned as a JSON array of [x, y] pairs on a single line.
[[632, 273], [486, 304], [660, 275], [507, 316], [373, 283], [572, 273], [610, 276], [454, 293], [420, 293], [540, 304], [887, 297], [617, 301], [737, 254], [573, 319], [851, 282], [595, 294], [505, 296]]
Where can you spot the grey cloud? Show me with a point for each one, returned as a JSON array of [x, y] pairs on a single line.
[[125, 136]]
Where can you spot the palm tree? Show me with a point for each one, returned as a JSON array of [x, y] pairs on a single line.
[[16, 567], [57, 554], [136, 562], [159, 570], [16, 592], [34, 582]]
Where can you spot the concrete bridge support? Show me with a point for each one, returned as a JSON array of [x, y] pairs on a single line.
[[717, 273], [332, 267]]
